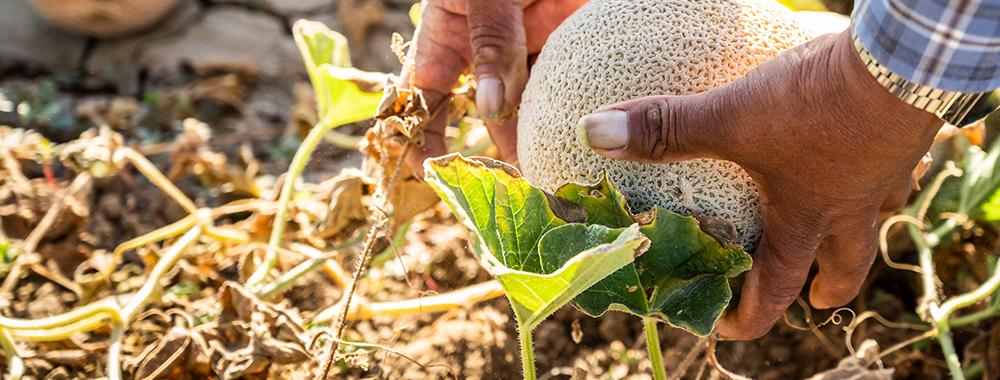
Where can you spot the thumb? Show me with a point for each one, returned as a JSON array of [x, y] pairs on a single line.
[[664, 128], [499, 55]]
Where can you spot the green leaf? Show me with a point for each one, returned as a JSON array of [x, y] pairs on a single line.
[[535, 296], [320, 45], [415, 12], [682, 261], [350, 95], [976, 193], [694, 305], [343, 94], [507, 214], [524, 236], [534, 244]]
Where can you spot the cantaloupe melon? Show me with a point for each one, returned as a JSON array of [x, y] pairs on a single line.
[[616, 50]]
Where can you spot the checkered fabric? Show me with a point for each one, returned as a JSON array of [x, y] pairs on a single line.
[[947, 44]]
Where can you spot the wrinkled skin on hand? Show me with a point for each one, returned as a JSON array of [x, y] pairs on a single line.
[[830, 150], [495, 37]]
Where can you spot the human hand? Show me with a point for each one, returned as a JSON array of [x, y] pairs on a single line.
[[828, 147], [495, 37]]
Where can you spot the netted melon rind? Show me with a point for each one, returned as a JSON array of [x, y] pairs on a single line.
[[616, 50]]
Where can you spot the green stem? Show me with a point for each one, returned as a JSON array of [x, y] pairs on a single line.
[[974, 370], [289, 277], [15, 366], [653, 348], [152, 284], [974, 317], [965, 299], [295, 169], [948, 349], [105, 307], [114, 369], [527, 352]]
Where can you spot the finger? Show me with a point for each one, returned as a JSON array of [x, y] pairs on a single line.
[[499, 54], [781, 265], [440, 51], [664, 128], [439, 55], [896, 199], [503, 132], [844, 260], [434, 144]]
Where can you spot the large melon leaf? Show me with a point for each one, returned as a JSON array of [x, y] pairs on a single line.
[[684, 272], [526, 238]]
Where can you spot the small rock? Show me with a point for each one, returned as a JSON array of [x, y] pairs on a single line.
[[114, 61], [286, 8], [295, 7], [106, 19], [227, 39], [30, 42]]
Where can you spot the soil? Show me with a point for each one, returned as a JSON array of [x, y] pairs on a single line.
[[143, 87]]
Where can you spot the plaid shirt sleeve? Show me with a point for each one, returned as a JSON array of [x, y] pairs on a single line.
[[948, 44]]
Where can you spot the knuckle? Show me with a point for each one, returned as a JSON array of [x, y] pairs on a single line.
[[780, 294], [658, 134], [490, 38]]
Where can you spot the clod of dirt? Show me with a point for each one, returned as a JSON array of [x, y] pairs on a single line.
[[477, 341], [101, 18]]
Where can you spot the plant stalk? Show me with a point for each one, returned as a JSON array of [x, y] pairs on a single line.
[[154, 175], [948, 349], [974, 317], [527, 352], [295, 169], [653, 348], [15, 366], [289, 277]]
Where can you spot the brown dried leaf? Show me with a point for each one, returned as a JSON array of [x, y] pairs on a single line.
[[93, 152], [346, 206], [117, 113], [166, 358], [250, 334], [856, 367], [190, 153]]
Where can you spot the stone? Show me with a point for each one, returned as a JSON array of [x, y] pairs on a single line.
[[117, 61], [227, 39], [296, 7], [28, 42], [285, 8], [103, 18]]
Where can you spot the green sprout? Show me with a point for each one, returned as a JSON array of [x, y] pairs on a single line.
[[583, 245], [343, 95]]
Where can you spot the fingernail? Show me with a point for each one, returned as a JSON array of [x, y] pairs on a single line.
[[489, 97], [604, 130]]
